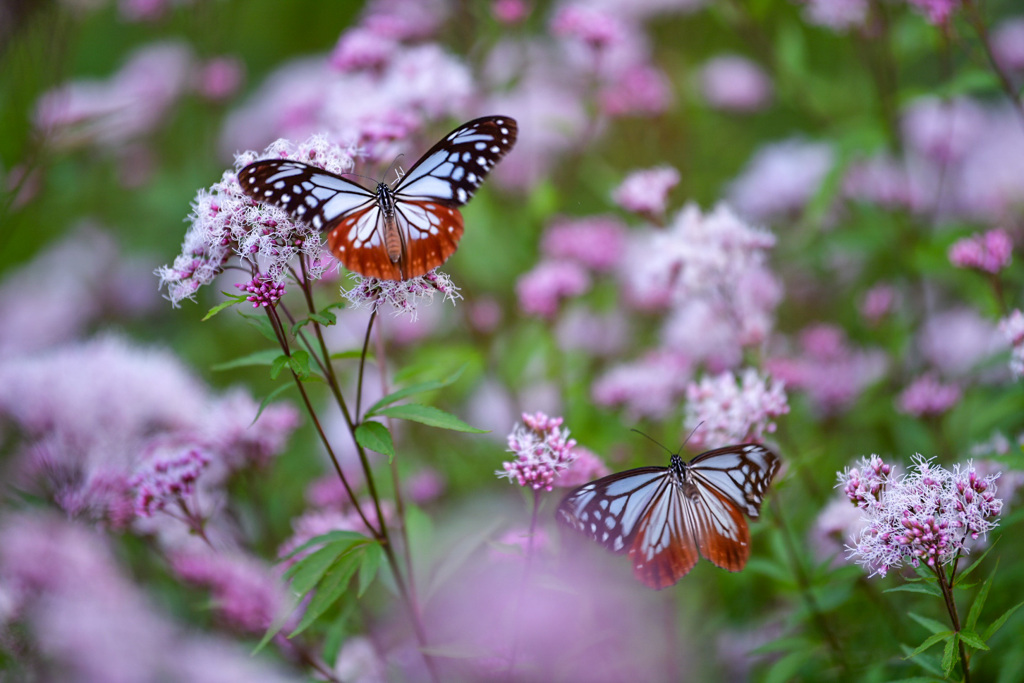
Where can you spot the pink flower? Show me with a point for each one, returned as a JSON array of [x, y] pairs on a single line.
[[877, 303], [889, 182], [596, 28], [543, 451], [262, 292], [1008, 44], [425, 486], [168, 479], [956, 340], [510, 12], [839, 15], [937, 11], [989, 252], [926, 516], [639, 90], [220, 78], [361, 48], [600, 334], [246, 594], [989, 182], [649, 387], [734, 83], [646, 192], [596, 242], [586, 466], [927, 396], [404, 297], [1012, 329], [541, 290], [943, 130], [780, 179], [733, 408], [831, 373]]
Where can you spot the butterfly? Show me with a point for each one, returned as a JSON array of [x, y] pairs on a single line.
[[391, 233], [666, 517]]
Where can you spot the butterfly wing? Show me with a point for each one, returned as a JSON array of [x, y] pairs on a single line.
[[727, 482], [452, 170], [430, 233], [665, 548]]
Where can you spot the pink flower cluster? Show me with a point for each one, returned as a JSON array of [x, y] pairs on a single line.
[[649, 387], [646, 192], [989, 252], [541, 291], [595, 27], [168, 480], [1012, 328], [937, 11], [246, 595], [543, 451], [927, 396], [262, 292], [781, 179], [225, 222], [402, 296], [926, 516], [593, 241], [839, 15], [734, 83], [732, 408]]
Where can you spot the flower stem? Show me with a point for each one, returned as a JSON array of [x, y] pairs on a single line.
[[947, 593], [977, 22], [523, 583]]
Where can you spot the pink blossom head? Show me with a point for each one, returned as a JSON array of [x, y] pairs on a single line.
[[401, 297], [638, 90], [594, 27], [1012, 329], [510, 12], [1008, 44], [586, 466], [732, 408], [220, 78], [936, 11], [646, 192], [877, 303], [943, 130], [734, 83], [362, 48], [956, 340], [989, 252], [542, 290], [543, 450], [595, 241], [838, 15], [781, 179], [927, 396], [649, 387]]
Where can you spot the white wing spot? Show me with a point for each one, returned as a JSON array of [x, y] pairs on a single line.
[[317, 222], [480, 145], [495, 149], [471, 178], [279, 185], [311, 200], [268, 193], [466, 156], [301, 210], [307, 185], [462, 195]]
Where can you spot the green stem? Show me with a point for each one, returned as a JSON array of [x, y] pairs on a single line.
[[954, 618]]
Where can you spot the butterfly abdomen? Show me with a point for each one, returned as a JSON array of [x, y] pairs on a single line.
[[392, 235]]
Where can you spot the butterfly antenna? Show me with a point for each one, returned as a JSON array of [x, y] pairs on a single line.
[[692, 432], [653, 439], [360, 175], [393, 164]]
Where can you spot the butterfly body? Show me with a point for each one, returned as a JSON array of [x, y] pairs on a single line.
[[392, 233], [664, 518]]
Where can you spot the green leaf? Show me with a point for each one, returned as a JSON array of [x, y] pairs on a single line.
[[265, 357], [786, 668], [233, 300], [299, 362], [352, 353], [325, 318], [275, 626], [428, 415], [951, 655], [330, 537], [376, 437], [334, 638], [418, 388], [998, 623], [369, 566], [334, 583], [979, 603], [974, 640], [307, 572], [926, 662], [263, 325], [279, 364], [930, 624], [927, 588], [270, 397]]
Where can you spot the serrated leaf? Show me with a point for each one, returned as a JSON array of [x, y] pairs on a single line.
[[270, 397], [330, 588], [927, 588], [951, 655], [329, 537], [325, 318], [429, 415], [998, 623], [376, 437], [978, 604], [930, 624], [974, 640], [417, 388], [307, 572], [262, 325], [299, 362], [369, 566], [265, 357], [233, 300], [279, 364]]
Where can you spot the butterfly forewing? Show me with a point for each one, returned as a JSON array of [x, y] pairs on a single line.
[[661, 516], [425, 201]]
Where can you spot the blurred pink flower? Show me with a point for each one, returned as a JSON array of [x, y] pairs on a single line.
[[891, 183], [639, 90], [596, 242], [733, 408], [596, 28], [956, 340], [485, 314], [541, 290], [510, 12], [835, 528], [220, 78], [586, 466], [405, 19], [1012, 329], [831, 372], [129, 105], [989, 182], [943, 130], [990, 251], [735, 83], [649, 387], [877, 303], [1008, 44], [937, 11], [543, 451], [600, 334], [425, 486], [927, 396], [403, 297], [361, 48], [246, 594], [168, 479], [646, 192], [313, 523], [781, 179], [839, 15]]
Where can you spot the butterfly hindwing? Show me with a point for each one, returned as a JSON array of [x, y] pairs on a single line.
[[307, 192]]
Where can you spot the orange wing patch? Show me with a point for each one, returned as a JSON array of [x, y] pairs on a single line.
[[430, 234]]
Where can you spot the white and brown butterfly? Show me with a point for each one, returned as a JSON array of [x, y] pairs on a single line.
[[392, 233], [667, 517]]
